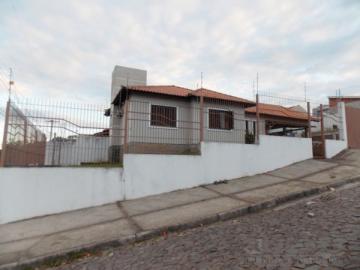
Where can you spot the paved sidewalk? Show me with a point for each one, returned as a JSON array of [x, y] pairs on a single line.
[[135, 220]]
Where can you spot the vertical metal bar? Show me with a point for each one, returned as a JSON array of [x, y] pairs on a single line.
[[201, 117], [322, 129], [25, 130], [309, 120], [53, 152], [257, 119], [126, 125], [6, 126]]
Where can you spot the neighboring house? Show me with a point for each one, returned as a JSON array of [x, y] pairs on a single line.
[[297, 108], [166, 118], [78, 150], [334, 100], [333, 122], [281, 121], [352, 115], [25, 143]]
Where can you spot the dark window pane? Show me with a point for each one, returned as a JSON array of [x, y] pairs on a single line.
[[163, 116], [221, 119]]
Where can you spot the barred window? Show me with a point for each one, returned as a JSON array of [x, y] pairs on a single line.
[[219, 119], [163, 116]]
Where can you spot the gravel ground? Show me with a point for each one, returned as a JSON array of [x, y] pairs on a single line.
[[322, 233]]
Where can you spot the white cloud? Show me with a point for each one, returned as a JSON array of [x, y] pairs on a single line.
[[67, 49]]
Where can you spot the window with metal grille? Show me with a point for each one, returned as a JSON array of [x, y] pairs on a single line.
[[163, 116], [219, 119]]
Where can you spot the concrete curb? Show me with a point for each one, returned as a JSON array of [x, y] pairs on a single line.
[[146, 235]]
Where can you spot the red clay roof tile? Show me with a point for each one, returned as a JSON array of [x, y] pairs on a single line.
[[279, 111], [217, 95], [174, 90], [162, 89]]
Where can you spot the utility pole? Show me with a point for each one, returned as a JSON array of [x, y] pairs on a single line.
[[305, 91], [253, 88], [201, 80]]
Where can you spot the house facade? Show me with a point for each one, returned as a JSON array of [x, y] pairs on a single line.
[[167, 119]]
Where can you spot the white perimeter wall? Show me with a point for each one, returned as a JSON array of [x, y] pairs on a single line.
[[334, 147], [152, 174], [31, 192]]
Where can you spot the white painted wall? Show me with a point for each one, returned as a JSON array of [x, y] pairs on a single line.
[[343, 128], [146, 174], [31, 192], [334, 147], [79, 149]]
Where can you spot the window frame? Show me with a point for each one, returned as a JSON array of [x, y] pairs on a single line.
[[165, 127], [220, 129]]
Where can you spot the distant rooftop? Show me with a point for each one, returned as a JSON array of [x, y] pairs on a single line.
[[340, 97]]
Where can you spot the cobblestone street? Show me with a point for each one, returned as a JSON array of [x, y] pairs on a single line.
[[322, 233]]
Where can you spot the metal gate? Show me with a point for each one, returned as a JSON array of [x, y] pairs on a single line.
[[318, 149], [353, 124]]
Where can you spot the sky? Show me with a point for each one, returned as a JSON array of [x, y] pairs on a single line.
[[67, 49]]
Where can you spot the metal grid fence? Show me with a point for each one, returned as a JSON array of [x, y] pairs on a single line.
[[48, 133], [39, 133]]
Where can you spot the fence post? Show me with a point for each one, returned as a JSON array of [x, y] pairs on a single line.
[[126, 117], [322, 129], [309, 120], [6, 126], [257, 119], [201, 117]]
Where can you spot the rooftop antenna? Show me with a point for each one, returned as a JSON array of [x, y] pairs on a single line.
[[11, 82]]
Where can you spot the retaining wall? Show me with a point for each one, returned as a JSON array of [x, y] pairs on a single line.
[[31, 192], [146, 174], [334, 147]]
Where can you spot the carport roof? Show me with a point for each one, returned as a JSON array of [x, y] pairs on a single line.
[[279, 111]]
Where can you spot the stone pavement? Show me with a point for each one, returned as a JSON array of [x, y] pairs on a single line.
[[320, 232], [135, 220]]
